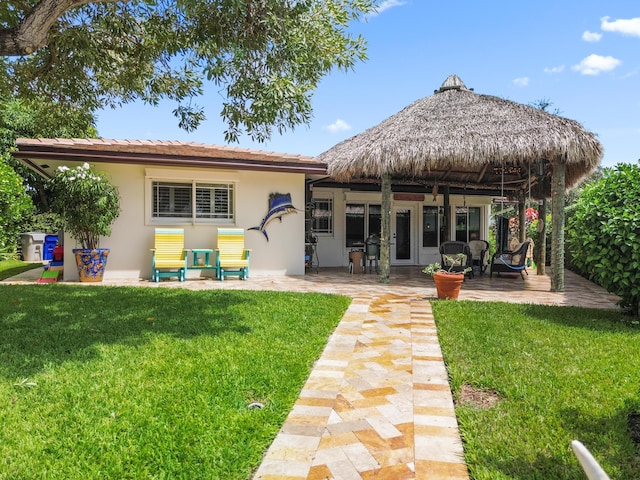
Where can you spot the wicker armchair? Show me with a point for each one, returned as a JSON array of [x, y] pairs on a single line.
[[449, 252], [479, 254]]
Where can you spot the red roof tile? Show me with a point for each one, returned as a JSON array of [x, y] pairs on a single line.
[[161, 152]]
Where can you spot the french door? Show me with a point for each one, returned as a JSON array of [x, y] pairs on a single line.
[[403, 235]]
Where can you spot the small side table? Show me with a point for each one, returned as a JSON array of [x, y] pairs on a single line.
[[202, 263]]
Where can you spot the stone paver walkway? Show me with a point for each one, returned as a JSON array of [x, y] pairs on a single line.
[[377, 404]]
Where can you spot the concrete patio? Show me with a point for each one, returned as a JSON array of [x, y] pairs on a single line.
[[377, 403]]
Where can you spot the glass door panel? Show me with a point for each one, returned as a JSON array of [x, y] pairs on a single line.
[[429, 226], [467, 223], [402, 235], [461, 224]]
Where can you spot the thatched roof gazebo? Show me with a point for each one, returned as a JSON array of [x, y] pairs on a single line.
[[457, 138]]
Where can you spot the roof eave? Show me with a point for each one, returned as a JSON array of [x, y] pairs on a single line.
[[28, 153]]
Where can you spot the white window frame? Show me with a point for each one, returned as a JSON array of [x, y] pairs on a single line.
[[194, 180], [332, 220], [455, 212]]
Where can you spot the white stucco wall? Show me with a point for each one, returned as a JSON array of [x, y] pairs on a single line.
[[331, 248], [133, 232]]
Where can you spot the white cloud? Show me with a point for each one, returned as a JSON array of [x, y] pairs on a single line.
[[629, 26], [521, 82], [595, 64], [588, 36], [386, 5], [558, 69], [338, 126]]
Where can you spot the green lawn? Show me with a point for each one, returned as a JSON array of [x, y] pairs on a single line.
[[561, 374], [9, 268], [114, 382]]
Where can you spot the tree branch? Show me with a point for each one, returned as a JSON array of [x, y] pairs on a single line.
[[32, 33]]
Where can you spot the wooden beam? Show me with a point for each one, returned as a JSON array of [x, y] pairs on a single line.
[[482, 172]]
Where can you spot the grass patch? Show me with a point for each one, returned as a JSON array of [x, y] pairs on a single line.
[[560, 373], [110, 382], [9, 268]]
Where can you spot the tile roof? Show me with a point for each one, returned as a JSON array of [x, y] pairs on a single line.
[[162, 152]]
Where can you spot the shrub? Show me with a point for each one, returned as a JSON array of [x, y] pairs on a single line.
[[603, 234], [8, 253], [87, 203], [15, 206], [43, 222]]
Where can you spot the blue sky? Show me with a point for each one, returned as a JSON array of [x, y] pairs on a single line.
[[582, 55]]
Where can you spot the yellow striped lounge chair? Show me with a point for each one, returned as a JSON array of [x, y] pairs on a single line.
[[231, 257], [169, 258]]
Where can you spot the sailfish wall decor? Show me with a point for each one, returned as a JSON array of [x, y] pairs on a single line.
[[279, 205]]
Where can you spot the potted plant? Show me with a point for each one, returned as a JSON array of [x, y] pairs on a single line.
[[88, 204], [448, 282]]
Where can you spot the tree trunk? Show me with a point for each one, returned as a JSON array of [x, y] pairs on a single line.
[[557, 225], [385, 230], [33, 32], [542, 237]]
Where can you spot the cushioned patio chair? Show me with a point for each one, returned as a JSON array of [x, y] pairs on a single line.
[[449, 252], [510, 261], [232, 259], [479, 254], [168, 258]]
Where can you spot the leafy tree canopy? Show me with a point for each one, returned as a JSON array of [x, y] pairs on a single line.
[[32, 118], [266, 56]]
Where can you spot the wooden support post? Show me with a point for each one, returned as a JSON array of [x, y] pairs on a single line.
[[385, 229], [447, 215], [557, 225], [541, 245], [522, 218]]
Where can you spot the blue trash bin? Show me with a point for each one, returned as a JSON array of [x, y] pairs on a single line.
[[50, 242]]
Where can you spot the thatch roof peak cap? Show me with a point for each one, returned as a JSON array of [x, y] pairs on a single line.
[[453, 82]]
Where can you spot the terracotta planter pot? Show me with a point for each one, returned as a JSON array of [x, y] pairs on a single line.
[[448, 284], [91, 263]]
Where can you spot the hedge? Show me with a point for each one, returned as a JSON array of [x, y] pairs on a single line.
[[603, 234]]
